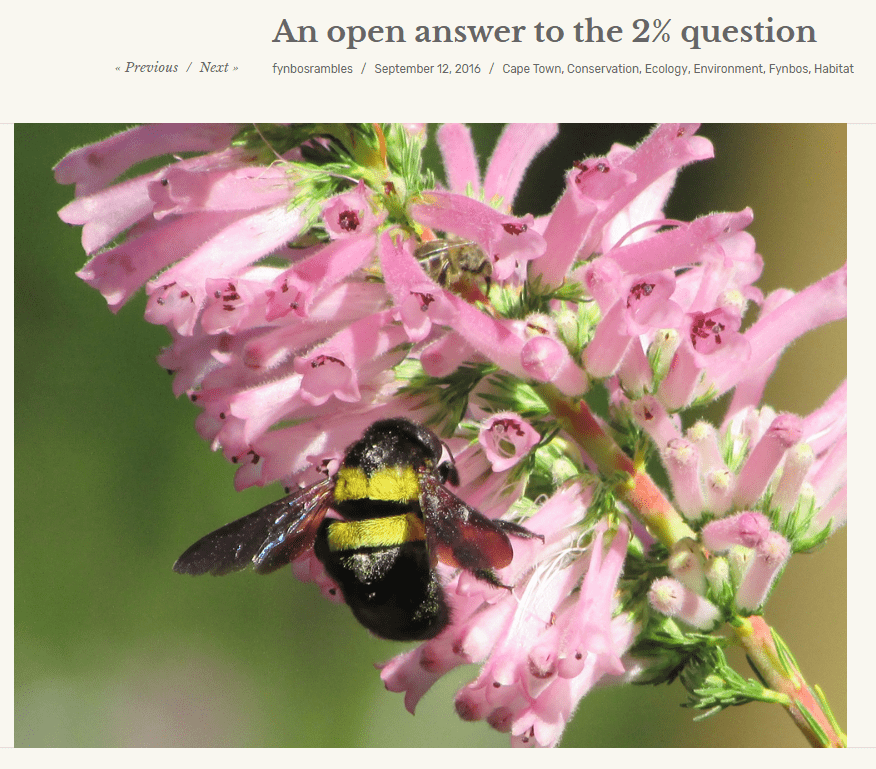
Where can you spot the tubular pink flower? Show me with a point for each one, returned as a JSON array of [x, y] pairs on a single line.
[[296, 289], [643, 305], [682, 462], [606, 186], [771, 555], [609, 344], [820, 303], [688, 244], [635, 374], [324, 375], [502, 342], [94, 166], [830, 471], [508, 241], [474, 636], [344, 367], [705, 437], [460, 162], [256, 407], [191, 186], [708, 339], [517, 147], [587, 630], [551, 519], [670, 597], [764, 458], [506, 439], [109, 212], [824, 425], [798, 459], [678, 388], [541, 724], [515, 690], [745, 428], [329, 314], [534, 697], [720, 486], [547, 360], [491, 492], [421, 302], [445, 355], [351, 214], [747, 529], [177, 295], [120, 271], [647, 305], [404, 673], [655, 420], [749, 391], [563, 235], [230, 304], [331, 368], [714, 336], [190, 359], [687, 566]]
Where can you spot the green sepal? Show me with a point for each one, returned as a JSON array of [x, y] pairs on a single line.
[[448, 396], [713, 685]]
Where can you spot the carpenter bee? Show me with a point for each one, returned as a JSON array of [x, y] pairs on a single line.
[[458, 265], [398, 520]]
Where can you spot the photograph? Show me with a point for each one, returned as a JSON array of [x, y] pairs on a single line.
[[421, 435]]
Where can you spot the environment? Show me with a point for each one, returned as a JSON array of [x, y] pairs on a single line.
[[115, 649]]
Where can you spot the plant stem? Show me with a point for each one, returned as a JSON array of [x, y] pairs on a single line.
[[767, 653], [638, 491], [772, 661]]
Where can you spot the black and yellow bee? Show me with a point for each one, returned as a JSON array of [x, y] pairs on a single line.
[[399, 519]]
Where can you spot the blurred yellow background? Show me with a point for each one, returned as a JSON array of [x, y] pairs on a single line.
[[112, 483]]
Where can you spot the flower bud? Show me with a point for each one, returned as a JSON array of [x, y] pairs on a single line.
[[670, 597], [770, 557]]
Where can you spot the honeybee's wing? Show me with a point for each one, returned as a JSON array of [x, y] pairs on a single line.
[[268, 538], [459, 535]]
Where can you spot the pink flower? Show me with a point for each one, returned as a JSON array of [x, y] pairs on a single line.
[[352, 213], [770, 556], [506, 438], [542, 653], [670, 597], [746, 529], [301, 309], [508, 241]]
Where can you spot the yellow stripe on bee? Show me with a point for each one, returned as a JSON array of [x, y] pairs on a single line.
[[375, 532], [391, 484]]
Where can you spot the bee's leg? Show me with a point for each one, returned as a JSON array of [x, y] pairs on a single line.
[[487, 575], [516, 530], [441, 280]]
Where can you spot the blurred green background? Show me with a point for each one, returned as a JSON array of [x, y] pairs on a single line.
[[112, 483]]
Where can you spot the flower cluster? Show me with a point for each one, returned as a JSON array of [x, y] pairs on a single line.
[[315, 279]]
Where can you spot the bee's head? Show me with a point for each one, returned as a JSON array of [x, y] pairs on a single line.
[[447, 471]]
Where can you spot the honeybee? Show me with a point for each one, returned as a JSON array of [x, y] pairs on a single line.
[[458, 265]]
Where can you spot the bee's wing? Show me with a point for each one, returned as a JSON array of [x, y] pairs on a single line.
[[268, 538], [459, 535]]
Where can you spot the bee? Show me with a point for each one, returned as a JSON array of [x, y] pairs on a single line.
[[458, 265], [398, 520]]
